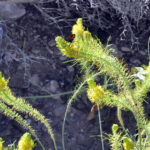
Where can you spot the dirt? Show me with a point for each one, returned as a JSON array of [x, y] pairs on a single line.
[[46, 73]]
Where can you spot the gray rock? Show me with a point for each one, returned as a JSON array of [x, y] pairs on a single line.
[[28, 121], [11, 11], [59, 111], [63, 58], [35, 80], [52, 43], [135, 61], [52, 86], [70, 69], [143, 52], [49, 113], [125, 49]]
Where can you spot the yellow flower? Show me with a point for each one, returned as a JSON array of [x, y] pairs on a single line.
[[3, 82], [128, 144], [26, 142], [94, 92], [114, 128], [68, 49], [78, 28], [1, 144], [87, 35]]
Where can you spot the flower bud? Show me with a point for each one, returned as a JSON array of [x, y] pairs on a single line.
[[114, 128], [128, 144], [68, 49], [26, 142], [1, 144], [3, 82], [94, 92], [78, 28]]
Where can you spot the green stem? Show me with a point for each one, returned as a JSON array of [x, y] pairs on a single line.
[[119, 115], [51, 95], [100, 127], [27, 108], [70, 102]]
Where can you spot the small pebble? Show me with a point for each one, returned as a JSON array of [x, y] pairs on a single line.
[[63, 58], [143, 52], [70, 69], [28, 121], [125, 49], [35, 80], [59, 111], [11, 11], [52, 43], [52, 86], [135, 62]]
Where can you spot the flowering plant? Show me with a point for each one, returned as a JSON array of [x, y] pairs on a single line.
[[88, 52]]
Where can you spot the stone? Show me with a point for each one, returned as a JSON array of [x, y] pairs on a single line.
[[70, 69], [63, 58], [59, 111], [52, 43], [143, 52], [135, 61], [52, 86], [28, 121], [35, 80], [125, 49], [12, 11]]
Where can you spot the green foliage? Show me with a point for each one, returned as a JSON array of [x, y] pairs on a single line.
[[115, 138], [11, 106], [1, 143], [118, 141], [88, 52]]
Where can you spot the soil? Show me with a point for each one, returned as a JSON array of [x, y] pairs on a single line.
[[46, 73]]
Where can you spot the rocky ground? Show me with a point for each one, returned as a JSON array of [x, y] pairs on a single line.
[[44, 72]]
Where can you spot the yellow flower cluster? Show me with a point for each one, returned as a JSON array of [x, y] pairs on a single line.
[[1, 144], [73, 49], [3, 82], [78, 28], [26, 142], [68, 49], [128, 144], [94, 92]]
